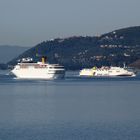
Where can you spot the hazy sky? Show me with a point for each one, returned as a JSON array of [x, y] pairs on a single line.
[[28, 22]]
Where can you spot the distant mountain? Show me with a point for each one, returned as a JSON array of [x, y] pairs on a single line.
[[9, 52], [113, 48]]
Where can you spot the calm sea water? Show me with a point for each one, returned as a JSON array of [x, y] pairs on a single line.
[[70, 109]]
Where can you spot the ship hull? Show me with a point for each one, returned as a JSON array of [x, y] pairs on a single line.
[[38, 74]]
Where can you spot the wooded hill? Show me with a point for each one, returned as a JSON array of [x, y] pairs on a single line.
[[114, 48]]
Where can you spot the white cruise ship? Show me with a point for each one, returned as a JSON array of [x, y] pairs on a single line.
[[106, 71], [26, 69]]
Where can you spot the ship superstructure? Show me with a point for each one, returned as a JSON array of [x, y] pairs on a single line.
[[40, 70], [106, 71]]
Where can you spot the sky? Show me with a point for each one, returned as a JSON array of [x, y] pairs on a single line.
[[29, 22]]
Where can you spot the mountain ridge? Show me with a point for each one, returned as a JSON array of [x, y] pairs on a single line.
[[113, 48], [8, 52]]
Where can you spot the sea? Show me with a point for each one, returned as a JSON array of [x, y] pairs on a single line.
[[73, 108]]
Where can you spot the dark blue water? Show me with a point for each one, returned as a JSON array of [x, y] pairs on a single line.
[[71, 109]]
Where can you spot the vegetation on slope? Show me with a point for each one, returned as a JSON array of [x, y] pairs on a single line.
[[113, 48]]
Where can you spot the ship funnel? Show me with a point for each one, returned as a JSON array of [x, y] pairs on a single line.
[[44, 59]]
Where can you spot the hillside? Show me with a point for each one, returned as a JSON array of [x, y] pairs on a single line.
[[9, 52], [113, 48], [136, 64]]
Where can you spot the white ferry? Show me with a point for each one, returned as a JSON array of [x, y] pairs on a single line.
[[106, 71], [26, 69]]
